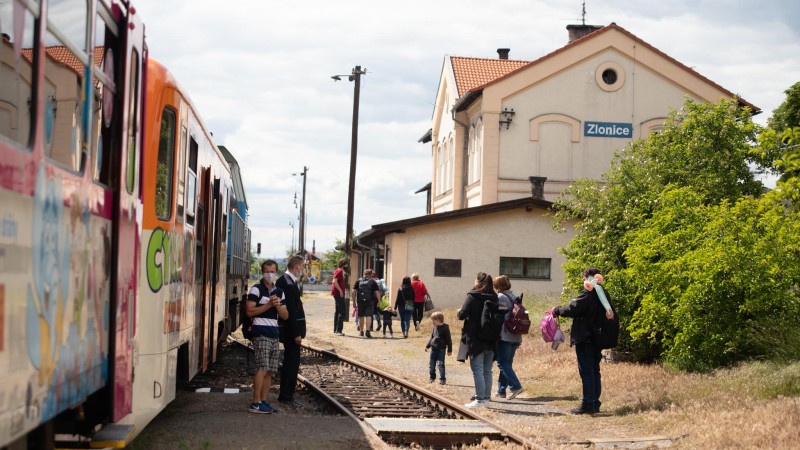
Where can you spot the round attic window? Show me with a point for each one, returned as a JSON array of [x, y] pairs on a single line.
[[610, 76]]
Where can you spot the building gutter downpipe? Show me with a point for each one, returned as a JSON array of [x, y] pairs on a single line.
[[465, 161]]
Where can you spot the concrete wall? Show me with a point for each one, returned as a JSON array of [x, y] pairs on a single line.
[[478, 242]]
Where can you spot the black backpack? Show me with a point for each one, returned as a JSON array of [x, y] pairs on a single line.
[[492, 319], [247, 321], [605, 333], [366, 291]]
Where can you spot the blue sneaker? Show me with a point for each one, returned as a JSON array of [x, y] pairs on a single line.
[[268, 406], [259, 408]]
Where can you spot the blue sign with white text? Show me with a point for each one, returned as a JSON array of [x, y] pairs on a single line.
[[608, 129]]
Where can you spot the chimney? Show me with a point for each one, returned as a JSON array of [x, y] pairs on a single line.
[[578, 31], [537, 187], [503, 53]]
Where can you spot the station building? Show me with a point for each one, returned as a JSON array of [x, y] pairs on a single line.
[[506, 137]]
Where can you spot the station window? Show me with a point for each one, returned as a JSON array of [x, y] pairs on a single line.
[[165, 167], [526, 268], [447, 268], [610, 76]]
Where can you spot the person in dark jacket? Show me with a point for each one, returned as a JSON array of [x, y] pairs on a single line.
[[439, 342], [479, 351], [404, 305], [293, 329], [586, 312]]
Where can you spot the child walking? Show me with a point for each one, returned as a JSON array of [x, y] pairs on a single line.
[[438, 343], [388, 313]]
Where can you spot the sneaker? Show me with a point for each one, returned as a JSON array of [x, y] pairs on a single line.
[[513, 393], [476, 404], [259, 408], [379, 328], [369, 335], [416, 327], [361, 334], [442, 381], [293, 403], [391, 335], [264, 403], [431, 380], [500, 394], [582, 410], [405, 335], [339, 333]]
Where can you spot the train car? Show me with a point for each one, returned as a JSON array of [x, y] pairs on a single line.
[[114, 205]]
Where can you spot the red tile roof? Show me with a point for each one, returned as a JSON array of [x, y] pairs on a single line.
[[62, 54], [476, 88], [474, 72]]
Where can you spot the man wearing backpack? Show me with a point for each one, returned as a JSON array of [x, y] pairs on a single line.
[[586, 312], [368, 294], [483, 320], [265, 304]]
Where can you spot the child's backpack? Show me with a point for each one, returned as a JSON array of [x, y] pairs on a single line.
[[492, 318], [247, 321], [519, 322], [549, 326]]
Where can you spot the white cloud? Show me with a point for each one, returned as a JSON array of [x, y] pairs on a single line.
[[259, 75]]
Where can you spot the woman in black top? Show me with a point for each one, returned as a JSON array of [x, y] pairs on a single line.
[[404, 304]]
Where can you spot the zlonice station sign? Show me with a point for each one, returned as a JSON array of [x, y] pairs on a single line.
[[608, 129]]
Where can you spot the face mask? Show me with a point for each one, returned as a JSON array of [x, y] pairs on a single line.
[[270, 277]]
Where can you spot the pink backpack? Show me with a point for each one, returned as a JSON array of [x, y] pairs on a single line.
[[549, 326]]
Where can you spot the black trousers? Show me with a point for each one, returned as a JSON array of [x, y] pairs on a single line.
[[340, 314], [419, 310], [291, 365]]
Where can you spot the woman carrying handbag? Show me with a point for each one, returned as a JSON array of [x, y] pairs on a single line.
[[404, 304]]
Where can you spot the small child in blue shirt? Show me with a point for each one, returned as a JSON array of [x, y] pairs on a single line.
[[439, 342]]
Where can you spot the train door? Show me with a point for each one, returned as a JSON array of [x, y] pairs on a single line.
[[214, 270], [203, 249], [127, 219]]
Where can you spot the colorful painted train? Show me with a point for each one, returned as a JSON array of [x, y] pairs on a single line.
[[124, 245]]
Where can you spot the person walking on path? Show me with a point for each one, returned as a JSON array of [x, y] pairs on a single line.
[[420, 291], [368, 295], [480, 352], [265, 304], [439, 342], [404, 305], [508, 385], [338, 292], [294, 330], [586, 311]]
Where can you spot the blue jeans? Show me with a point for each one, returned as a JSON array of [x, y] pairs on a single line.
[[481, 365], [589, 368], [505, 358], [405, 320], [437, 359]]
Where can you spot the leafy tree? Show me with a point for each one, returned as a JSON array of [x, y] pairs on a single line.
[[654, 206], [330, 258]]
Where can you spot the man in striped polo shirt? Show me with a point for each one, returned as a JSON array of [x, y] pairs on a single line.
[[265, 303]]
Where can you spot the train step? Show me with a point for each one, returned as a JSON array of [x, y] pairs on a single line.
[[113, 436]]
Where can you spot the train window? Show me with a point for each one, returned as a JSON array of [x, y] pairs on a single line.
[[191, 180], [181, 173], [130, 166], [16, 64], [69, 18], [104, 93], [165, 168]]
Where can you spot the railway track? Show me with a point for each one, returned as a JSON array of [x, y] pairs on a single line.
[[396, 410]]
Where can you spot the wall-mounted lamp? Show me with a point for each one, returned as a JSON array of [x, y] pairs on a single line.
[[508, 116]]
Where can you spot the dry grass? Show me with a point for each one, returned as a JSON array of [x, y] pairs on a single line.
[[754, 405]]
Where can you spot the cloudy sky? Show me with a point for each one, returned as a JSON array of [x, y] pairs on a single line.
[[259, 72]]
